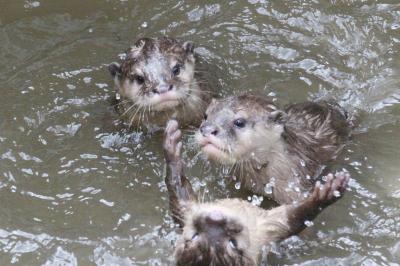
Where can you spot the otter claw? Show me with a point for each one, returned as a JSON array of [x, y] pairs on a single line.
[[333, 188], [172, 125]]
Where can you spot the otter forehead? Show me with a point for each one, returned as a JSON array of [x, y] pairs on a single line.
[[154, 65], [208, 219], [244, 105]]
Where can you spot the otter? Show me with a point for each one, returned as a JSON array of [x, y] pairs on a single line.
[[276, 153], [157, 80], [233, 231]]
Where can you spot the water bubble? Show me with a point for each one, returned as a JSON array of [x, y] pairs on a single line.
[[336, 194], [144, 24], [308, 177], [308, 223], [237, 185]]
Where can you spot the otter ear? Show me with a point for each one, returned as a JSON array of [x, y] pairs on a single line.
[[277, 116], [188, 47], [114, 68]]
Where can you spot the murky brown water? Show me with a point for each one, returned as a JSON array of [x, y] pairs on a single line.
[[76, 190]]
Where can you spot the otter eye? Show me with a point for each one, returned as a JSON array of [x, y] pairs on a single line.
[[233, 243], [195, 237], [139, 79], [205, 116], [176, 69], [240, 123]]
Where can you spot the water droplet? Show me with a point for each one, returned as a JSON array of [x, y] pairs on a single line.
[[336, 194], [303, 163], [144, 24], [308, 223], [268, 188], [256, 201], [237, 185], [117, 96]]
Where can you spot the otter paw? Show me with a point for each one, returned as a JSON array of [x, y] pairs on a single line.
[[332, 189], [172, 143]]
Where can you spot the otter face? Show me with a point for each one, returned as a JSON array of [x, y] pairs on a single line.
[[236, 128], [213, 237], [156, 74]]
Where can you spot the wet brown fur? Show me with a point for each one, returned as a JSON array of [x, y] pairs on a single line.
[[191, 107], [308, 136], [233, 231]]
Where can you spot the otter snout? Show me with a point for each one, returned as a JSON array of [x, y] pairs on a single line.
[[213, 225], [162, 89], [207, 129]]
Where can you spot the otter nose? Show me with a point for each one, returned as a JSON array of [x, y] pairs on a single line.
[[162, 89], [207, 129], [214, 227]]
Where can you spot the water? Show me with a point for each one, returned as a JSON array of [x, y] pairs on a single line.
[[75, 189]]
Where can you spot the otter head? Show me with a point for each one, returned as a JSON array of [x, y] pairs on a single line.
[[214, 235], [239, 128], [156, 73]]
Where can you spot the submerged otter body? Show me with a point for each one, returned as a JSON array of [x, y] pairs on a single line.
[[233, 231], [157, 81], [276, 153]]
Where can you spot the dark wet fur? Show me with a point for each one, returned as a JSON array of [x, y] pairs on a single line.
[[202, 254]]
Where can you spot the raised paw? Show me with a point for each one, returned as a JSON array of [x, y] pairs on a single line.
[[332, 189], [172, 142]]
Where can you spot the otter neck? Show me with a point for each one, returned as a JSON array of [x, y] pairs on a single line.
[[277, 172]]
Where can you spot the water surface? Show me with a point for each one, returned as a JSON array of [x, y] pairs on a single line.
[[76, 190]]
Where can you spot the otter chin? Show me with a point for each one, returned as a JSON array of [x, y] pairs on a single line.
[[212, 149], [276, 152], [165, 102], [233, 231], [158, 80]]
